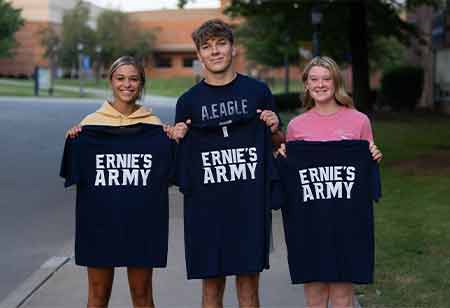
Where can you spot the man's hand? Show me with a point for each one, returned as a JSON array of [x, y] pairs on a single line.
[[270, 118], [180, 130]]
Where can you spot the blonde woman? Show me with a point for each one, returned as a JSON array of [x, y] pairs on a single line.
[[330, 116]]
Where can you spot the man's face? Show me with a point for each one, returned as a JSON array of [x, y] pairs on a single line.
[[216, 55]]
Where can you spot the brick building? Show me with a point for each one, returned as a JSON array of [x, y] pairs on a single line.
[[38, 15], [174, 50]]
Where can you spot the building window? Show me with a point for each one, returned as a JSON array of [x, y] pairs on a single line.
[[187, 62], [162, 62]]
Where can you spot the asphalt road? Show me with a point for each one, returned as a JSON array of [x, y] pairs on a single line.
[[36, 212]]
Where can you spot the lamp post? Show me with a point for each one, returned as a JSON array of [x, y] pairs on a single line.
[[98, 51], [80, 47], [286, 40], [316, 20]]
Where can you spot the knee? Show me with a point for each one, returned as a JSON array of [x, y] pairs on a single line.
[[248, 290], [142, 295], [316, 295], [213, 290], [341, 297], [99, 294]]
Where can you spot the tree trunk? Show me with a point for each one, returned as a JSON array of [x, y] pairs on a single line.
[[286, 73], [359, 51]]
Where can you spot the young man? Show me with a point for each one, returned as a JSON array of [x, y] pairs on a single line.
[[221, 96]]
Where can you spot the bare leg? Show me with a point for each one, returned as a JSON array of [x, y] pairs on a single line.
[[247, 286], [316, 294], [100, 280], [140, 283], [212, 293], [341, 295]]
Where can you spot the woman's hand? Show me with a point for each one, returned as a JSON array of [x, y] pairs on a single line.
[[73, 132], [376, 153], [281, 150]]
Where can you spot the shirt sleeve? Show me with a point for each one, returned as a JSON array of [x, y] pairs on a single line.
[[366, 130], [181, 111], [270, 104], [70, 166], [289, 132]]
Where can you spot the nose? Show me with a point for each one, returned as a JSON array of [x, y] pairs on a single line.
[[214, 49]]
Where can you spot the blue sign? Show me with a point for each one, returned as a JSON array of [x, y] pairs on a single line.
[[86, 63]]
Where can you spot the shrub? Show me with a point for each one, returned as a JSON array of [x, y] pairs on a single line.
[[401, 87], [288, 102]]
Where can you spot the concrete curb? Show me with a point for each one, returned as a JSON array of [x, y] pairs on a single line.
[[18, 297]]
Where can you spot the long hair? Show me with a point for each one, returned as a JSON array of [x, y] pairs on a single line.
[[341, 96], [128, 60]]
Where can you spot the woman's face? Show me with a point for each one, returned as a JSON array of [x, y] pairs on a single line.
[[126, 84], [320, 85]]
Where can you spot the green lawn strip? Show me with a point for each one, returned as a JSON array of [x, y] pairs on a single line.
[[277, 86], [173, 87], [412, 220], [27, 89], [89, 83], [169, 87]]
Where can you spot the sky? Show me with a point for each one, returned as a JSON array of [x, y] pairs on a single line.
[[139, 5]]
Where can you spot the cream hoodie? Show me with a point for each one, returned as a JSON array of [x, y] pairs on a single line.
[[107, 115]]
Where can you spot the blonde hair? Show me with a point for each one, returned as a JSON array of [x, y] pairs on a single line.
[[128, 60], [341, 96]]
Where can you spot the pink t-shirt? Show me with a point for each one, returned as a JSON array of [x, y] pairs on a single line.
[[346, 123]]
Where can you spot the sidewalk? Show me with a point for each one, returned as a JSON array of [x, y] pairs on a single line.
[[66, 286]]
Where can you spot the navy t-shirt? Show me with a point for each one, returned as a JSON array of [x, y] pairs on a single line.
[[327, 214], [122, 176], [207, 104], [225, 174]]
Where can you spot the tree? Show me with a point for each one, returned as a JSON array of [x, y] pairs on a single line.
[[349, 27], [51, 42], [76, 33], [118, 36], [10, 23]]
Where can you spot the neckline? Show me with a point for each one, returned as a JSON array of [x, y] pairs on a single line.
[[231, 82], [329, 115]]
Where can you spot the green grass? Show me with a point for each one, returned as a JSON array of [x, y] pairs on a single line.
[[413, 218], [169, 87], [166, 87], [25, 88], [277, 86], [174, 86]]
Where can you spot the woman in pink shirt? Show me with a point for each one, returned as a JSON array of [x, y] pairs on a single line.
[[330, 115]]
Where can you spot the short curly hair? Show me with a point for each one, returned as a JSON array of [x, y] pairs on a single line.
[[213, 28]]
